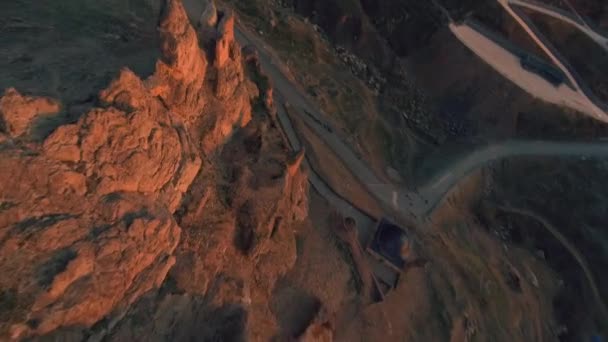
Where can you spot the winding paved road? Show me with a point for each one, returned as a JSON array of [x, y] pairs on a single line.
[[415, 205], [542, 42], [448, 177], [284, 91], [567, 17], [365, 223], [418, 204], [571, 248], [497, 53], [506, 59]]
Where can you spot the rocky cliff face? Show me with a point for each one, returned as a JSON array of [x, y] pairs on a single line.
[[170, 181]]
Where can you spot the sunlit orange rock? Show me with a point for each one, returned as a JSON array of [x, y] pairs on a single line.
[[17, 112]]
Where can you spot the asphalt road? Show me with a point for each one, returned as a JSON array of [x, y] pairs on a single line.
[[286, 91], [365, 224], [571, 248], [447, 178], [596, 108], [567, 17], [415, 205], [506, 59]]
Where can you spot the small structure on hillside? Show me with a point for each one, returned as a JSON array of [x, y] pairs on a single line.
[[390, 244], [543, 69]]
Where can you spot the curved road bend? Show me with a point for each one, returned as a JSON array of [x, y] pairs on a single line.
[[417, 204], [443, 181], [595, 105], [565, 16], [288, 92], [505, 59], [365, 224], [576, 254], [434, 190]]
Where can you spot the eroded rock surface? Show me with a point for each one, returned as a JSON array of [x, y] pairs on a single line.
[[97, 214], [17, 112]]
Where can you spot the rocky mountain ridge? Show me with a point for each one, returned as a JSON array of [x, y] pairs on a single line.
[[173, 178]]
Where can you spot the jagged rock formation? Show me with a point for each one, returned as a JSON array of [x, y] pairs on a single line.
[[267, 195], [209, 15], [18, 112], [231, 89], [95, 216]]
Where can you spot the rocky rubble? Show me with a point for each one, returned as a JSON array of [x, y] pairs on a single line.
[[359, 68], [94, 217]]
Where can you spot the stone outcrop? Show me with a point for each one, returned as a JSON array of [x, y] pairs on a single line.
[[74, 255], [225, 46], [209, 15], [94, 217], [134, 145], [228, 82], [180, 73], [251, 57], [17, 112], [267, 195], [73, 267], [86, 225], [227, 58]]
